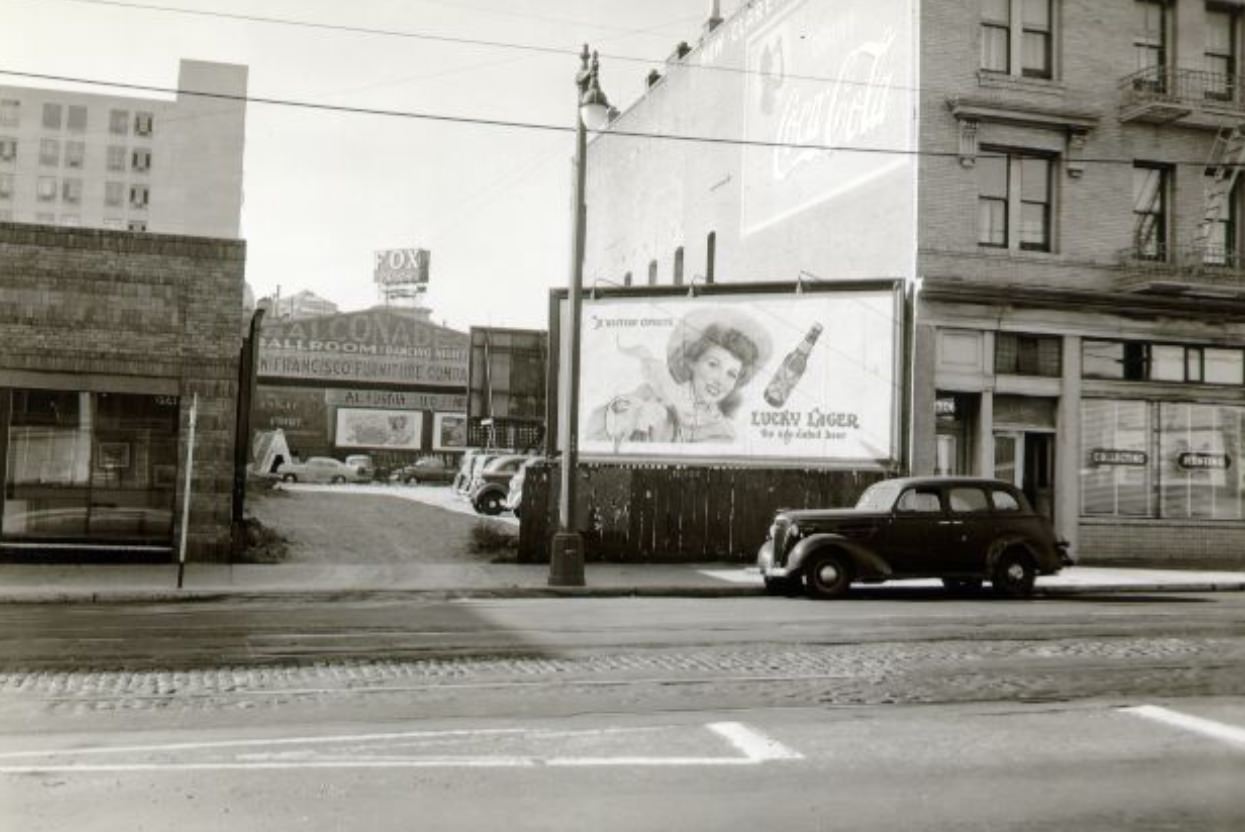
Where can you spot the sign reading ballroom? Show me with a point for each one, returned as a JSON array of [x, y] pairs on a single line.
[[755, 378], [375, 345]]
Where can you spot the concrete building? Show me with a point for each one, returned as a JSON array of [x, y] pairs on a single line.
[[1058, 177], [106, 340], [171, 166]]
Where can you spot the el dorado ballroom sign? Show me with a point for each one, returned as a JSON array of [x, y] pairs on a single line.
[[811, 377]]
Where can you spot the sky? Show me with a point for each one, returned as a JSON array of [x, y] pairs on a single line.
[[325, 190]]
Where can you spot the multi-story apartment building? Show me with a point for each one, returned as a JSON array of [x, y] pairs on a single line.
[[1059, 180], [169, 166]]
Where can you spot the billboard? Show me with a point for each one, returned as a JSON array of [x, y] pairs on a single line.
[[761, 377], [392, 429], [449, 431], [402, 267]]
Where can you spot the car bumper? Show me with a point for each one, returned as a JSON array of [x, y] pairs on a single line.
[[765, 562]]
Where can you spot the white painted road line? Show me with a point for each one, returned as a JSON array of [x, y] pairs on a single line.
[[755, 748], [1206, 727]]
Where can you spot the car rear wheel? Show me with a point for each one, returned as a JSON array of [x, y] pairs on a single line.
[[411, 480], [489, 504], [828, 575], [962, 586], [1013, 574], [289, 478]]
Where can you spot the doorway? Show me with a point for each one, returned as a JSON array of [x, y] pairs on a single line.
[[1026, 459]]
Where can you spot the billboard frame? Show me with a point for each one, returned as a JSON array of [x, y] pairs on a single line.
[[901, 291]]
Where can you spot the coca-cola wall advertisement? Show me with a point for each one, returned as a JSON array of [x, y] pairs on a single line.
[[810, 378], [829, 102]]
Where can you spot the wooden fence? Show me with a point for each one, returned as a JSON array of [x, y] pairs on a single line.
[[658, 513]]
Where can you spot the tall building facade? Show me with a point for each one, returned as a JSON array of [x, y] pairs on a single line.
[[1059, 180], [170, 166]]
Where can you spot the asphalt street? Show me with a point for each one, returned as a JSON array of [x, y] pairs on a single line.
[[899, 710]]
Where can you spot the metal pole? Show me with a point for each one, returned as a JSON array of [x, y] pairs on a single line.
[[190, 456], [566, 557]]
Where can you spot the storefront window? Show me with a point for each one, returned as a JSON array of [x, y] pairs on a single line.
[[90, 467], [1115, 462], [1200, 465]]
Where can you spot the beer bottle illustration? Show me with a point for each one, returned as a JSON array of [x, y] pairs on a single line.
[[788, 374]]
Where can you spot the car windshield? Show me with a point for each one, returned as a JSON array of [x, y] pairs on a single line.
[[878, 497]]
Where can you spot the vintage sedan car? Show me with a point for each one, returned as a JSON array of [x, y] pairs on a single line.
[[491, 484], [318, 469], [963, 530], [429, 469]]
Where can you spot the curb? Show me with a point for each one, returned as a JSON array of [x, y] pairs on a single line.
[[471, 593]]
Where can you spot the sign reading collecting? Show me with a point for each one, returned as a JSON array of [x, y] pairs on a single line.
[[1113, 456], [748, 377]]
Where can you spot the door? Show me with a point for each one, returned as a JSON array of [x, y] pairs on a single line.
[[969, 530], [1026, 459], [917, 527]]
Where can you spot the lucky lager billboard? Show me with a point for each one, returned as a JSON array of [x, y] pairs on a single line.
[[810, 377]]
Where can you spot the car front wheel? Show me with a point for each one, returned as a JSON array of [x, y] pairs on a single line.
[[828, 575], [1013, 575], [489, 504], [289, 478]]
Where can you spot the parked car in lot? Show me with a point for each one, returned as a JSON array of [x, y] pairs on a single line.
[[963, 530], [429, 469], [318, 469], [514, 498], [473, 461], [363, 465], [492, 483]]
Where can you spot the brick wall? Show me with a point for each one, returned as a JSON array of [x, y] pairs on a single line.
[[144, 311], [1163, 543]]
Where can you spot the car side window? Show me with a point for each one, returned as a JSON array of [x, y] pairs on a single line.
[[965, 500], [919, 501], [1004, 501]]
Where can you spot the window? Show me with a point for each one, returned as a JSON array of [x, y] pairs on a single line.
[[1150, 41], [1182, 363], [1115, 359], [137, 225], [45, 188], [71, 191], [1009, 185], [119, 122], [678, 266], [1200, 449], [1151, 184], [49, 152], [142, 124], [116, 157], [652, 273], [8, 149], [139, 195], [52, 116], [6, 186], [966, 500], [1223, 366], [70, 220], [113, 192], [1028, 355], [75, 154], [1031, 40], [1115, 458], [10, 112], [1220, 54], [919, 501], [1004, 500], [77, 118], [140, 160], [711, 245], [1220, 220]]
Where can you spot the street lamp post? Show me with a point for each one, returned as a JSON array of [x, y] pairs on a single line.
[[566, 558]]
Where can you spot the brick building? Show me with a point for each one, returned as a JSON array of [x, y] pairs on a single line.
[[1059, 180], [106, 337]]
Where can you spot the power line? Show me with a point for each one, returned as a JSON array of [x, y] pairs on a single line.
[[464, 41], [559, 128]]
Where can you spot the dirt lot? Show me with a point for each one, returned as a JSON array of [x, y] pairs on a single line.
[[348, 525]]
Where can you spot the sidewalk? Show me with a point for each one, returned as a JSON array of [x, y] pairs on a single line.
[[116, 583]]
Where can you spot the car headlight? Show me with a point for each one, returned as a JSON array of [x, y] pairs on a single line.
[[793, 532]]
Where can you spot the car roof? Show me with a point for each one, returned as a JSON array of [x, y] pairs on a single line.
[[950, 480]]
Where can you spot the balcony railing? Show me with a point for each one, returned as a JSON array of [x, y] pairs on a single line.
[[1193, 269], [1161, 94]]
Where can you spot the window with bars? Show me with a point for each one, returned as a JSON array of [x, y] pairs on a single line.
[[1151, 185], [1028, 355]]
